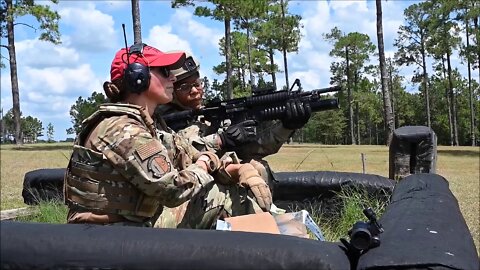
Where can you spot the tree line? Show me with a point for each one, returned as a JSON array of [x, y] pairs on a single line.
[[11, 15], [32, 128], [375, 100]]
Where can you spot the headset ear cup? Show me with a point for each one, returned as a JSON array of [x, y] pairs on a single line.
[[137, 77]]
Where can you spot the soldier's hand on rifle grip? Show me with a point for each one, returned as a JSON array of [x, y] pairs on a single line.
[[297, 114], [238, 134]]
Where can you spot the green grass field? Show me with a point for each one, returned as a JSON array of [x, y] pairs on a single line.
[[459, 165]]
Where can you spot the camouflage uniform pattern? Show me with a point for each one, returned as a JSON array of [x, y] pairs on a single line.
[[122, 144], [214, 200], [271, 135], [219, 199], [206, 143], [211, 203]]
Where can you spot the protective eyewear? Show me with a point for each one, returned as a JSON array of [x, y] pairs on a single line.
[[165, 72], [187, 87]]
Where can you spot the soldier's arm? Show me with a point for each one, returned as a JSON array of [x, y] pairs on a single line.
[[201, 143], [271, 136], [146, 163]]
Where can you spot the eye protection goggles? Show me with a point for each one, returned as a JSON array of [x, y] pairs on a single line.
[[187, 87]]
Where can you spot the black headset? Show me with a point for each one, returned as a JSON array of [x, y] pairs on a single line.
[[136, 76]]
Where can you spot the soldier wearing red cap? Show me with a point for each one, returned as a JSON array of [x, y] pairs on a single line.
[[124, 169]]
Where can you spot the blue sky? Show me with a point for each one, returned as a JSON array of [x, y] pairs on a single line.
[[52, 77]]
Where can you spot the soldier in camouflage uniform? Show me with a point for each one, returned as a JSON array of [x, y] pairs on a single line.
[[123, 169], [251, 141]]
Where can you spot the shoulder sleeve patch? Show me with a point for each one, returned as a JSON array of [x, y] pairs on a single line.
[[149, 149], [159, 165]]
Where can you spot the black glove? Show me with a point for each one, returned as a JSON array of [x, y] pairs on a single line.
[[241, 133], [297, 114]]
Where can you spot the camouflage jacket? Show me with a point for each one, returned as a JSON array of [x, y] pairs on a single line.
[[123, 165]]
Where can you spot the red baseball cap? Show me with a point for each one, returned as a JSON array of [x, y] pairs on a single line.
[[150, 56]]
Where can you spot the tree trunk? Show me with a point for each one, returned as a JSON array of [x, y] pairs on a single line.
[[284, 46], [285, 65], [387, 106], [369, 133], [14, 77], [272, 64], [3, 126], [425, 80], [470, 92], [390, 86], [356, 114], [137, 29], [475, 22], [240, 72], [357, 123], [453, 102], [447, 96], [250, 69], [228, 53], [349, 99]]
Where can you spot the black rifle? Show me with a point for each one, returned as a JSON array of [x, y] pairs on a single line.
[[263, 105]]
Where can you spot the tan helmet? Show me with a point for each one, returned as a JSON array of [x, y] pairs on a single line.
[[190, 67]]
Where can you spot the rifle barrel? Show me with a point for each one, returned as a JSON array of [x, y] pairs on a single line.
[[335, 88]]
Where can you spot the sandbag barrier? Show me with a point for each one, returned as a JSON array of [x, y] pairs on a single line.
[[47, 184], [303, 185], [424, 229], [413, 149], [68, 246], [317, 191], [43, 185]]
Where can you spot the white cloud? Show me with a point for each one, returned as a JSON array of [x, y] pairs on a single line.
[[319, 61], [115, 4], [316, 21], [161, 37], [205, 37], [48, 93], [93, 30], [344, 8], [6, 92], [38, 54], [310, 79], [390, 53], [58, 106], [75, 81], [319, 18]]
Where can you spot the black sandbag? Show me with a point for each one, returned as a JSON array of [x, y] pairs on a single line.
[[424, 228], [413, 149], [67, 246], [43, 185], [298, 186], [47, 184]]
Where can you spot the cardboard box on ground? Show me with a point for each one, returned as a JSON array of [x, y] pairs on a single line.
[[277, 222]]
